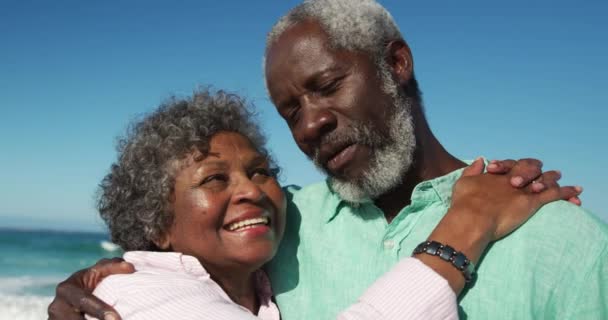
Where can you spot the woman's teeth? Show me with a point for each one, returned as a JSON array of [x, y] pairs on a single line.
[[247, 224]]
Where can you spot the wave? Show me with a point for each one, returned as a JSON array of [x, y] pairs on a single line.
[[109, 246], [26, 285], [23, 307]]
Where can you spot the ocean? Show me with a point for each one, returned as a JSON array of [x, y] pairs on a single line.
[[33, 262]]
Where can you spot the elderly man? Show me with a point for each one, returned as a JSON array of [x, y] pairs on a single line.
[[341, 75]]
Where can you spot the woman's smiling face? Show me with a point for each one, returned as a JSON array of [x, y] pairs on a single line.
[[229, 210]]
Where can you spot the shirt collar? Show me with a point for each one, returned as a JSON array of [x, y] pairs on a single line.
[[182, 263], [169, 261], [334, 202], [439, 188], [443, 185]]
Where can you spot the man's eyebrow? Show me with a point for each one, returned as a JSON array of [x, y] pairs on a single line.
[[314, 78]]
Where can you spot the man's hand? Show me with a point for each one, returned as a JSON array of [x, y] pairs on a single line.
[[74, 298]]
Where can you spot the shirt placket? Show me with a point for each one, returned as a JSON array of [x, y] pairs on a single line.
[[403, 224]]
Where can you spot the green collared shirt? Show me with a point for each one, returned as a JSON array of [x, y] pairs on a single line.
[[554, 267]]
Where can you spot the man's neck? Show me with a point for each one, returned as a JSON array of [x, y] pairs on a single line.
[[431, 160]]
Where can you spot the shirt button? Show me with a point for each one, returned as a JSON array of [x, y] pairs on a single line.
[[389, 244]]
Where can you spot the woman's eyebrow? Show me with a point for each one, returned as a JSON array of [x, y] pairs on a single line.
[[212, 165], [257, 160]]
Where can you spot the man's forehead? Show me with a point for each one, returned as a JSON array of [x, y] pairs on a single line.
[[300, 52], [298, 42]]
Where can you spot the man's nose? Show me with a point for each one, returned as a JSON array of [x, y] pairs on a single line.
[[318, 120]]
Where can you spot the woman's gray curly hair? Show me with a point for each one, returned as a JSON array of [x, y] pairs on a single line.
[[134, 196]]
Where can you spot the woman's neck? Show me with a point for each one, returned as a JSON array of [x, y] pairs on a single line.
[[239, 286]]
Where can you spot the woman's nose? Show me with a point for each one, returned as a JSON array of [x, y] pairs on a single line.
[[248, 191]]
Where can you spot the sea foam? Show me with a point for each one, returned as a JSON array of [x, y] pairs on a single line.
[[26, 297], [23, 307], [29, 285]]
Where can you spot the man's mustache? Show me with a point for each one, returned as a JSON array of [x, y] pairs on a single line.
[[356, 133]]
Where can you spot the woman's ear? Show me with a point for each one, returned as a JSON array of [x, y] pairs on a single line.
[[163, 242], [399, 58]]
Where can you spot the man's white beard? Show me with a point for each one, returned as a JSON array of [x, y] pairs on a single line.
[[388, 164]]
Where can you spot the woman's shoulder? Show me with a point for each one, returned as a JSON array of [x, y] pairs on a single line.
[[157, 272], [163, 282], [145, 295]]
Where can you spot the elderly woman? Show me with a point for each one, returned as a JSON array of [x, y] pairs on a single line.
[[194, 200]]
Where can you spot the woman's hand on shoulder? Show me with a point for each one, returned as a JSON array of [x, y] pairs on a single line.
[[500, 203]]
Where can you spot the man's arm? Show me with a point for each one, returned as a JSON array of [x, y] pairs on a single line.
[[74, 297]]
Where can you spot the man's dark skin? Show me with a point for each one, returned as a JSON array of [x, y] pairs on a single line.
[[318, 90]]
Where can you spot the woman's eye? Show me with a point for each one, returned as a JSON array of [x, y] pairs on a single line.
[[262, 171], [261, 174], [214, 179]]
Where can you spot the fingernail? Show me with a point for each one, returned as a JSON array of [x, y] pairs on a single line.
[[559, 174], [517, 181], [493, 161], [538, 186], [578, 189], [492, 166], [110, 316]]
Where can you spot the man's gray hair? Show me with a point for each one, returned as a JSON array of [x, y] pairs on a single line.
[[134, 197], [356, 25]]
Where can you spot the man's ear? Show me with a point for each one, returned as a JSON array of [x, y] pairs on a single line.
[[399, 58]]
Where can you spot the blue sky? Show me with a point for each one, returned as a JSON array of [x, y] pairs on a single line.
[[500, 79]]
